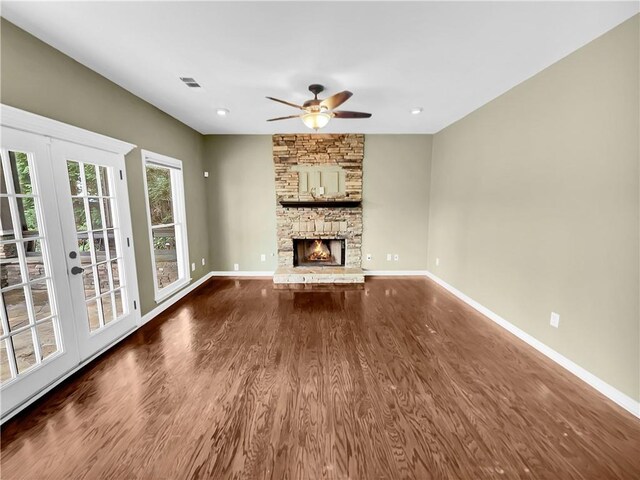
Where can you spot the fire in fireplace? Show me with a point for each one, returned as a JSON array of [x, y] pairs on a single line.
[[316, 252]]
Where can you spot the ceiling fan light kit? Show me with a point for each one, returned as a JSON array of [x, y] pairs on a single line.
[[318, 113]]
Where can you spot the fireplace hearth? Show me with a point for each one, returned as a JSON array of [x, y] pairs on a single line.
[[318, 252]]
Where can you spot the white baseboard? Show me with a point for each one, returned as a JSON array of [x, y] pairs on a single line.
[[395, 273], [603, 387], [242, 273], [173, 299]]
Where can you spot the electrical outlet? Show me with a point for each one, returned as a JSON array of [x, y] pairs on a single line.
[[203, 262], [236, 266], [193, 267], [555, 319], [206, 174], [396, 257], [368, 257], [437, 261], [263, 257], [388, 257]]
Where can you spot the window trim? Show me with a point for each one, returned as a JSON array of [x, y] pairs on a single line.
[[179, 220]]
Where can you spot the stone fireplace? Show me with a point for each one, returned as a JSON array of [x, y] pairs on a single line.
[[319, 213]]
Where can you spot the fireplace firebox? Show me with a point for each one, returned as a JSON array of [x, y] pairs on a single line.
[[318, 252]]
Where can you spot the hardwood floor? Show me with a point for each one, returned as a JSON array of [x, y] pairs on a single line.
[[398, 379]]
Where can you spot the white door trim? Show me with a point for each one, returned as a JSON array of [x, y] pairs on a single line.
[[30, 122]]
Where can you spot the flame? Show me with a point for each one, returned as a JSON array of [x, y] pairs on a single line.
[[320, 251]]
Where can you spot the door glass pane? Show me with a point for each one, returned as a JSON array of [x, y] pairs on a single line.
[[84, 249], [104, 182], [79, 214], [24, 351], [88, 280], [47, 339], [119, 303], [26, 208], [16, 306], [100, 246], [20, 167], [94, 316], [35, 260], [108, 217], [91, 179], [41, 299], [115, 274], [5, 370], [107, 308], [103, 276], [9, 265], [160, 195], [75, 182], [164, 251], [6, 222], [94, 213]]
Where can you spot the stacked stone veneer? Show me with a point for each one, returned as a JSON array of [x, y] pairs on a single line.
[[345, 151]]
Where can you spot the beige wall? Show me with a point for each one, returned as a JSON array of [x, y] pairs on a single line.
[[242, 202], [535, 206], [42, 80], [396, 201], [241, 197]]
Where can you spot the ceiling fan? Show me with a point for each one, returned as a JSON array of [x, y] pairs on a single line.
[[317, 113]]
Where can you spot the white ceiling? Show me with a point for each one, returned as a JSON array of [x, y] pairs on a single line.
[[449, 58]]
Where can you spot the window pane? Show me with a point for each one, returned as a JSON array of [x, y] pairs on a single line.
[[104, 181], [5, 371], [94, 213], [79, 214], [41, 299], [9, 265], [23, 348], [27, 211], [16, 305], [92, 312], [47, 339], [164, 250], [35, 262], [91, 179], [73, 169], [20, 166], [160, 196]]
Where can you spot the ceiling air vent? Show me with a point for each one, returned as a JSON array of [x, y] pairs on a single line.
[[190, 82]]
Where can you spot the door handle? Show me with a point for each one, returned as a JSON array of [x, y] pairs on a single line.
[[77, 270]]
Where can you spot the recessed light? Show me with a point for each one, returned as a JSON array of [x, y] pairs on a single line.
[[416, 110], [222, 112]]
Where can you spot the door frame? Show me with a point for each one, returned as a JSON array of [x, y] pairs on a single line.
[[17, 119]]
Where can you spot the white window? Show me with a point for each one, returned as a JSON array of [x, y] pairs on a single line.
[[167, 223]]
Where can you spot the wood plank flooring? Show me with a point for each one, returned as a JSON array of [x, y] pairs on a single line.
[[397, 379]]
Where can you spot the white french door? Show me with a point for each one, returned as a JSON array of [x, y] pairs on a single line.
[[68, 281]]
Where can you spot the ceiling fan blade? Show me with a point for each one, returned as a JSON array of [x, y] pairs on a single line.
[[336, 100], [345, 114], [283, 118], [286, 103]]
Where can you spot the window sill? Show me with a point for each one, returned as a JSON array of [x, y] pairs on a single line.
[[162, 295]]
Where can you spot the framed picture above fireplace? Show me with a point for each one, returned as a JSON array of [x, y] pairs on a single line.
[[319, 252]]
